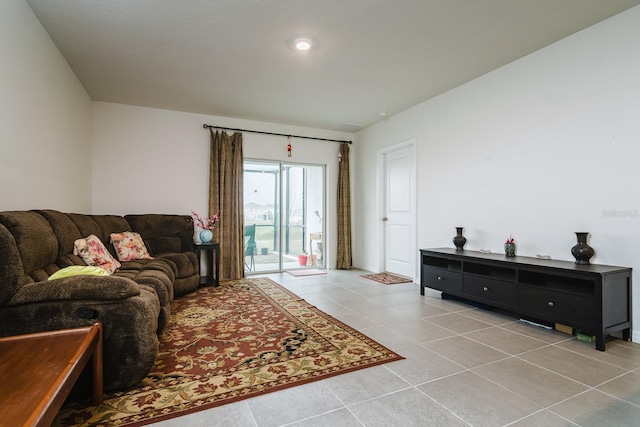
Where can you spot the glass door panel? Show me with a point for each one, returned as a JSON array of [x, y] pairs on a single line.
[[261, 209], [286, 204]]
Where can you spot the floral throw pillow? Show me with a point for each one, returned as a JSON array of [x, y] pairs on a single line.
[[129, 246], [94, 253]]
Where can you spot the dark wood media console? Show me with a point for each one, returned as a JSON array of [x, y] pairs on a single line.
[[594, 298]]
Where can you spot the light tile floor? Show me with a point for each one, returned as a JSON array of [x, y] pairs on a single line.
[[464, 367]]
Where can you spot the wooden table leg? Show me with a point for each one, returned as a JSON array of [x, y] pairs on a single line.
[[97, 361]]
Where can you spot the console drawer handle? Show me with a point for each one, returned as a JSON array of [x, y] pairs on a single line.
[[550, 303], [485, 289]]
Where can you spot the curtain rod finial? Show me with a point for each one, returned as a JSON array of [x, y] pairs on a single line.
[[204, 126]]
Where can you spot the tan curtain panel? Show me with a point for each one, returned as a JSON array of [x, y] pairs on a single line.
[[226, 197], [344, 257]]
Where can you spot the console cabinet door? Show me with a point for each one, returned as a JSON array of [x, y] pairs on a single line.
[[489, 290], [558, 306], [443, 280]]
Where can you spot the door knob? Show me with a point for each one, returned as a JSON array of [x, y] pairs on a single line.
[[384, 218]]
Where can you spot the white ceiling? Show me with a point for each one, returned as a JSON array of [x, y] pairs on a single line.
[[236, 58]]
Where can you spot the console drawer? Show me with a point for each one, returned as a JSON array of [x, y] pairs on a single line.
[[491, 290], [442, 280], [557, 306]]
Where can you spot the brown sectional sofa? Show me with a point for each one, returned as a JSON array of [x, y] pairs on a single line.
[[133, 304]]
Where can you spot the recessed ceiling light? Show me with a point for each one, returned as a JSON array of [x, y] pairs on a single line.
[[303, 44], [382, 113]]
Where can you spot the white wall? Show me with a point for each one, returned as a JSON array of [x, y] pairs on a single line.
[[45, 119], [148, 160], [538, 149]]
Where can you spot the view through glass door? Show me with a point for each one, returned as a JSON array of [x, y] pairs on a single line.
[[283, 216]]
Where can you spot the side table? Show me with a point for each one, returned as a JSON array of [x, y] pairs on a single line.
[[211, 253], [38, 371]]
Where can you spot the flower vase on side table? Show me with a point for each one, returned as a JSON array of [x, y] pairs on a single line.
[[510, 249], [206, 236], [205, 224]]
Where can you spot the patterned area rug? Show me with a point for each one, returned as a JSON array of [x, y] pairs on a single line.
[[225, 344], [387, 278]]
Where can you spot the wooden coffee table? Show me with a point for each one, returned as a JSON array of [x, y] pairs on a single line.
[[38, 371]]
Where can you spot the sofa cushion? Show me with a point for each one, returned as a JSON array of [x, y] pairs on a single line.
[[110, 224], [66, 233], [101, 226], [159, 276], [94, 253], [64, 228], [11, 270], [163, 233], [86, 224], [35, 241], [186, 263], [129, 246], [186, 285]]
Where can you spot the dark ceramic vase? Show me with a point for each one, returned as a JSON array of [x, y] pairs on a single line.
[[459, 240], [582, 252]]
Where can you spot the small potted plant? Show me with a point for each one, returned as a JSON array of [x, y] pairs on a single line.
[[510, 247]]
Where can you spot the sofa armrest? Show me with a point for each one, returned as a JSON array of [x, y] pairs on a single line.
[[84, 287]]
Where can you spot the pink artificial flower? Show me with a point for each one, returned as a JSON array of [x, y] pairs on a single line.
[[205, 223]]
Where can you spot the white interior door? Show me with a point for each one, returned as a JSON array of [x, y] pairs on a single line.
[[399, 211]]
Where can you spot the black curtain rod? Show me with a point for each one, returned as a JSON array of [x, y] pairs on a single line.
[[272, 133]]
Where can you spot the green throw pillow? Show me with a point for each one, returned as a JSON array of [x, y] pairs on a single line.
[[77, 270]]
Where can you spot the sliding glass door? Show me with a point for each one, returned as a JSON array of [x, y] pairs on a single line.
[[283, 216]]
